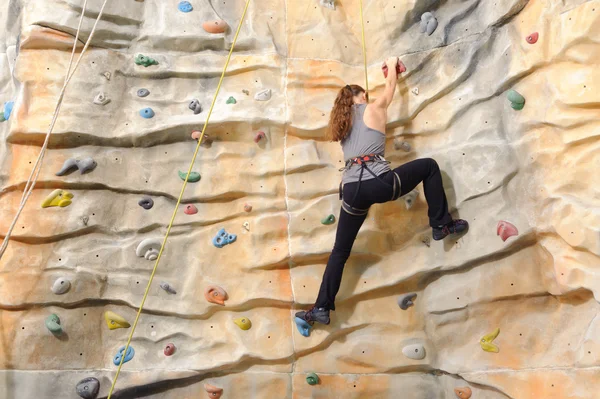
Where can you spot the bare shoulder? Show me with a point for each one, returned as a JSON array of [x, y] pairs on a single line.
[[375, 117]]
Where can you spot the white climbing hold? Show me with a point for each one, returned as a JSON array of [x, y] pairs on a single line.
[[61, 285], [400, 144], [263, 95], [409, 198], [149, 248], [415, 91], [101, 99], [328, 4], [246, 225], [415, 351], [107, 75]]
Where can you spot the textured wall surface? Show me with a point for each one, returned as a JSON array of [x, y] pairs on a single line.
[[536, 168]]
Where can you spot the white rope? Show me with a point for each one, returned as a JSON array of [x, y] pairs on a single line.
[[35, 172]]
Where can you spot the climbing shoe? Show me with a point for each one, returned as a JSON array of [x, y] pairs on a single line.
[[320, 315], [454, 227]]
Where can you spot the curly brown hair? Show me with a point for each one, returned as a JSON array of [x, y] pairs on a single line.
[[340, 119]]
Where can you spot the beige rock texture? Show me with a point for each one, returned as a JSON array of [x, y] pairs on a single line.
[[536, 168]]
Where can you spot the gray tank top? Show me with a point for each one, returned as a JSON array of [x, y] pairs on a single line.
[[362, 140]]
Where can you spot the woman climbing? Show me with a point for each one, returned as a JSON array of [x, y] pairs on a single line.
[[368, 180]]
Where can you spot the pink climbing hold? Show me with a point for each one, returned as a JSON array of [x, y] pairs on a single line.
[[259, 136], [400, 68], [248, 207], [506, 229], [533, 38], [190, 209], [218, 26], [196, 134], [169, 349], [213, 391]]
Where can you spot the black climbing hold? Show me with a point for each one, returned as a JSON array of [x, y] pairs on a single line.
[[88, 388], [195, 106], [146, 203]]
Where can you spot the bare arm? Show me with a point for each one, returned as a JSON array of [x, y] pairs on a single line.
[[384, 101]]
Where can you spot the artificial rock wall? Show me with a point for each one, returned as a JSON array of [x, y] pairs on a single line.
[[535, 168]]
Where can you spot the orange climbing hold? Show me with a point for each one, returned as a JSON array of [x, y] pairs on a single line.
[[506, 229], [463, 393], [216, 294], [218, 26], [213, 391]]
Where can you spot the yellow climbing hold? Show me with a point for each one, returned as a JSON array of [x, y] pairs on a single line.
[[114, 321], [243, 323], [58, 197], [486, 341]]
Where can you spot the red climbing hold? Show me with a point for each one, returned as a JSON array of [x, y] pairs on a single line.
[[531, 39], [190, 209], [506, 229], [400, 68], [169, 349], [259, 136]]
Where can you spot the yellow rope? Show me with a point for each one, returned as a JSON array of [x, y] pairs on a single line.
[[178, 201], [364, 46]]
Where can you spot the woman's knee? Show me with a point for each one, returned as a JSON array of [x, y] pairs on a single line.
[[433, 165]]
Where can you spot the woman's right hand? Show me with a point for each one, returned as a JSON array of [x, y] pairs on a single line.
[[391, 63]]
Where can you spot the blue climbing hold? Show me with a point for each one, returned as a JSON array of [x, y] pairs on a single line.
[[223, 238], [8, 107], [303, 326], [185, 6], [128, 355], [147, 113]]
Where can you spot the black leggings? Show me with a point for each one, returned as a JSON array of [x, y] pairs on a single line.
[[371, 192]]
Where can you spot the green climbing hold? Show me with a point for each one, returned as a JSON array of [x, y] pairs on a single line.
[[328, 220], [231, 100], [141, 59], [312, 379], [517, 101], [193, 178], [2, 118], [53, 324]]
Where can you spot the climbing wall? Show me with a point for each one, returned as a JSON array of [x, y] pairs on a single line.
[[503, 94]]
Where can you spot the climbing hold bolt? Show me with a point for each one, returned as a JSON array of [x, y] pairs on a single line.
[[195, 106], [303, 326], [409, 198], [128, 356], [247, 207], [263, 95], [223, 238], [328, 4], [463, 393], [114, 321], [141, 59], [246, 226], [167, 287], [61, 285], [533, 38], [401, 145], [415, 351], [259, 136], [243, 322], [185, 6], [328, 220], [169, 349], [213, 391], [143, 92], [215, 294], [53, 324], [147, 113], [193, 177], [231, 100], [506, 229], [400, 68], [218, 26], [59, 198], [8, 107], [88, 388], [407, 300], [486, 341], [246, 92], [517, 101], [190, 209], [149, 248], [84, 165], [415, 91], [101, 99], [107, 75], [146, 203], [312, 379], [428, 23]]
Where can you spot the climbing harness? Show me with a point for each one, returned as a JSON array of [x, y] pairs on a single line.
[[170, 226], [363, 162]]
